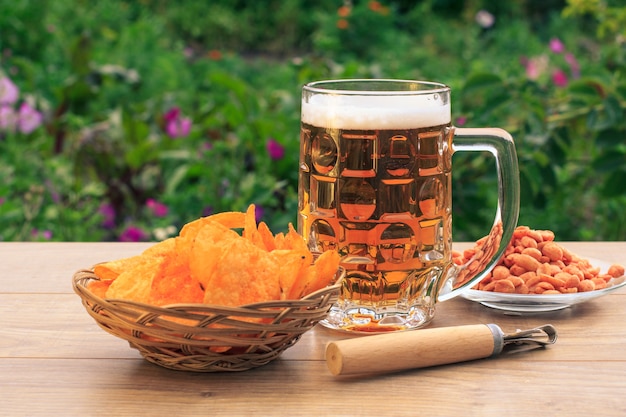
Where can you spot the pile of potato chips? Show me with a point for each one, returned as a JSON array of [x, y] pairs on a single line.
[[211, 263]]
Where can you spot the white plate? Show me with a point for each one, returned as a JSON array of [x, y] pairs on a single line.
[[534, 303]]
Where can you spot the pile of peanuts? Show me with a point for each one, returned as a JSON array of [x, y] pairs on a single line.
[[534, 263]]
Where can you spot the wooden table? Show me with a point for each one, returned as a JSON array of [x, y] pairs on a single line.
[[55, 360]]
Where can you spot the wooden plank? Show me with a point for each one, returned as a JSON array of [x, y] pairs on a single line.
[[47, 267], [484, 388]]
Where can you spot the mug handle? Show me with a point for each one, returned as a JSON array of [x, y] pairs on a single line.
[[490, 249]]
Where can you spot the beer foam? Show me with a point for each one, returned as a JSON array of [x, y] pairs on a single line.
[[369, 112]]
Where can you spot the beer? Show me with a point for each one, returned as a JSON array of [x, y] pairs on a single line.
[[375, 185]]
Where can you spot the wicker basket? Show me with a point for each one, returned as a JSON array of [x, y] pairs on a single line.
[[208, 338]]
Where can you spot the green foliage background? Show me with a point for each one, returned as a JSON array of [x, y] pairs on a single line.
[[104, 74]]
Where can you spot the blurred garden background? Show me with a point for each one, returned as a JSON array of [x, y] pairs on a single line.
[[122, 120]]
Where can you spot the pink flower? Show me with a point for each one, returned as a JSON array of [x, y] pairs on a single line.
[[25, 120], [8, 91], [8, 118], [532, 70], [574, 66], [275, 150], [158, 209], [460, 121], [29, 119], [535, 66], [556, 46], [172, 114], [132, 234], [176, 126], [559, 78], [41, 234]]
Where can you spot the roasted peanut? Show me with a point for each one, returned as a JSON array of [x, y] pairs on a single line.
[[500, 272], [586, 285], [616, 270], [517, 270], [541, 287], [527, 262], [504, 285], [534, 252], [516, 281], [528, 242], [534, 263], [552, 251]]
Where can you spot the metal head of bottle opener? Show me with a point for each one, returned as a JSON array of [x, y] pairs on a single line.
[[522, 340]]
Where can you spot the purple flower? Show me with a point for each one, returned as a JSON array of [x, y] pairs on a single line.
[[275, 149], [54, 194], [8, 91], [158, 209], [132, 234], [29, 119], [207, 211], [258, 213], [559, 78], [176, 126], [108, 212], [556, 46], [207, 146]]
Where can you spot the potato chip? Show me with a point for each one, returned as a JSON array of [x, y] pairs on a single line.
[[279, 241], [325, 269], [108, 271], [293, 266], [250, 230], [134, 284], [175, 284], [163, 248], [293, 240], [243, 275], [206, 251], [228, 219], [99, 288], [266, 236]]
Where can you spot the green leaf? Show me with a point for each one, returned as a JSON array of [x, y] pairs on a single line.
[[230, 82], [613, 109], [176, 155], [586, 88], [610, 137], [610, 161], [482, 81], [614, 185], [174, 180]]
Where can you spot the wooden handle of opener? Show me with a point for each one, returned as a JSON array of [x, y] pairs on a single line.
[[413, 349]]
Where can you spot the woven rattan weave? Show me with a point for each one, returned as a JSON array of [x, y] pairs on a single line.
[[207, 338]]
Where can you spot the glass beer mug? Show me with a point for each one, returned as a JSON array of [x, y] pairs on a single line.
[[375, 185]]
